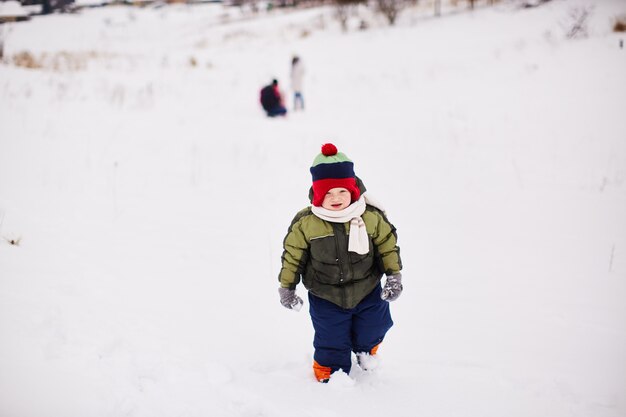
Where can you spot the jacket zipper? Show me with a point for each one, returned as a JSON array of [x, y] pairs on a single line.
[[349, 256], [339, 263]]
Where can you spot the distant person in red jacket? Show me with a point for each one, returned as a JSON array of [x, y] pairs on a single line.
[[272, 100]]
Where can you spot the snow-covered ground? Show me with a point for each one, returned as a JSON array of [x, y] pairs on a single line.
[[150, 197]]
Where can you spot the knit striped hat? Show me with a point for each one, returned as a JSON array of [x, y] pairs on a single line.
[[332, 169]]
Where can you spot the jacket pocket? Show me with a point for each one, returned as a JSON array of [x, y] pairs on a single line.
[[324, 261], [362, 265]]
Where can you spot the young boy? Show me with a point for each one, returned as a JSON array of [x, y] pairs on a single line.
[[340, 247]]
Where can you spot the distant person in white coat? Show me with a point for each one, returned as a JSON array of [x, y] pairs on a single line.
[[297, 80]]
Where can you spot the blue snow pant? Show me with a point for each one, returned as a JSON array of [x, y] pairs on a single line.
[[276, 111], [339, 332], [298, 100]]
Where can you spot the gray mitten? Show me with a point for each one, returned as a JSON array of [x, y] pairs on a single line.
[[289, 299], [392, 288]]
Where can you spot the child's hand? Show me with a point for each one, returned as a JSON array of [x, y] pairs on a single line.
[[393, 287], [289, 299]]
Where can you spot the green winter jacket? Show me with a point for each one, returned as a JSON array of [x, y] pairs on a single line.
[[316, 252]]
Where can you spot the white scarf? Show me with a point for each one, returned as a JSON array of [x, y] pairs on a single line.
[[358, 240]]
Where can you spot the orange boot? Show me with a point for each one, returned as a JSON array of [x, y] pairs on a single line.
[[322, 373]]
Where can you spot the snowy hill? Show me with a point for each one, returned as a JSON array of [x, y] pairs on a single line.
[[149, 196]]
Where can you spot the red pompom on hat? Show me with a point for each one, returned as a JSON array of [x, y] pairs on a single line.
[[328, 149], [332, 169]]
